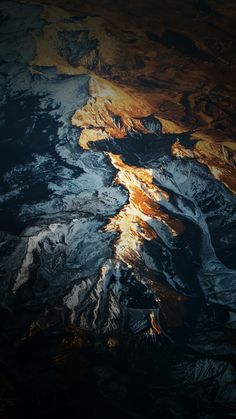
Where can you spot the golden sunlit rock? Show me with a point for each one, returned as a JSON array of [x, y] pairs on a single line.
[[110, 113], [131, 223], [220, 158]]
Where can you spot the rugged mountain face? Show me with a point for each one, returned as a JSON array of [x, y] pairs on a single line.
[[118, 208]]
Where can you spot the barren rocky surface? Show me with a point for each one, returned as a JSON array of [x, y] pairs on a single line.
[[117, 217]]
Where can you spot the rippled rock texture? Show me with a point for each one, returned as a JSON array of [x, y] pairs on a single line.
[[118, 221]]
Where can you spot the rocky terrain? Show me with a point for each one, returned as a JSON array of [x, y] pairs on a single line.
[[117, 209]]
